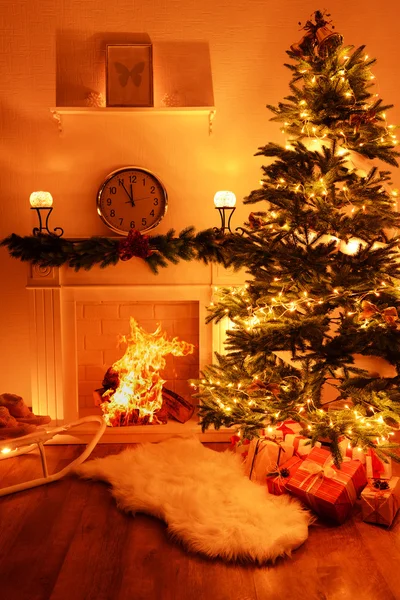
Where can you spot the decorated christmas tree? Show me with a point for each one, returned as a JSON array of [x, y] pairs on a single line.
[[322, 256]]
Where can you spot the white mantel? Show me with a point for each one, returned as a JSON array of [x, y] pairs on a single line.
[[53, 296]]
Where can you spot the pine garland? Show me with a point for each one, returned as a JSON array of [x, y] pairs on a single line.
[[51, 251]]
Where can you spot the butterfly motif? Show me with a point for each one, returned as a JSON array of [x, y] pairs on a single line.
[[124, 73]]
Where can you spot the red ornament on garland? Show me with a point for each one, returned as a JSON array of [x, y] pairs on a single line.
[[135, 244]]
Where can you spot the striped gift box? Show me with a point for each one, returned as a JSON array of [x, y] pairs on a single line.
[[329, 491]]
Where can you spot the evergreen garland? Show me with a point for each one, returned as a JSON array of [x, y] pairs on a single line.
[[51, 251]]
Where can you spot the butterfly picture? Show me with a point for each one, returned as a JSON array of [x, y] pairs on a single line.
[[129, 75], [124, 73]]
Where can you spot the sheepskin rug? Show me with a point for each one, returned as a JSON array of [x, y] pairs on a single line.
[[204, 497]]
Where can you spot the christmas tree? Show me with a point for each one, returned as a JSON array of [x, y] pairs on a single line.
[[323, 263]]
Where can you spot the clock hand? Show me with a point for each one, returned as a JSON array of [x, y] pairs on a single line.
[[144, 198], [130, 195]]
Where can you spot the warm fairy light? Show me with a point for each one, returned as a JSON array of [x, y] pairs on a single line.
[[224, 199], [352, 246], [41, 200], [139, 392]]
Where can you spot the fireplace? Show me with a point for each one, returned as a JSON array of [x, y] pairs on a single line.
[[76, 319]]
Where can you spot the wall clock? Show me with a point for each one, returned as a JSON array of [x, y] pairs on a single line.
[[131, 198]]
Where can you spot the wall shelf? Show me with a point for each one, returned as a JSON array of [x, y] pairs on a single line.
[[58, 111]]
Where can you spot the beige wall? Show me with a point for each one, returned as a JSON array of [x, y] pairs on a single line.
[[49, 42]]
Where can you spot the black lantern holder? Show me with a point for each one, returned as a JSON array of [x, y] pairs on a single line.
[[225, 212], [58, 231]]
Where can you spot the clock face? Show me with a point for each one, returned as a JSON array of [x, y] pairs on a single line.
[[131, 198]]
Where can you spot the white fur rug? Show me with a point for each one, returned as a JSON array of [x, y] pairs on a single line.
[[204, 497]]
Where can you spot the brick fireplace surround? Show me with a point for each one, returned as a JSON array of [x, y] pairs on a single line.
[[76, 320]]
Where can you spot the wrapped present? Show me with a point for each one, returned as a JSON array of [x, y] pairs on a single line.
[[301, 444], [264, 456], [239, 446], [349, 451], [277, 479], [376, 467], [329, 491], [380, 501]]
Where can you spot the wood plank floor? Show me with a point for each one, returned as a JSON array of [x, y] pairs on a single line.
[[68, 541]]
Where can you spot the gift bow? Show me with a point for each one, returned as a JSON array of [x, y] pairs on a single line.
[[389, 314], [312, 468]]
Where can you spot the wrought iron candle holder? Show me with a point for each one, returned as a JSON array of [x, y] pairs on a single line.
[[42, 202], [225, 204]]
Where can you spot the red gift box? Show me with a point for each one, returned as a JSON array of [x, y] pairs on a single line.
[[277, 481], [329, 491]]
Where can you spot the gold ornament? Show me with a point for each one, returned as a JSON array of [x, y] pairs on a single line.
[[389, 314]]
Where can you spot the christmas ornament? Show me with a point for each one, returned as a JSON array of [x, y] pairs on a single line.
[[380, 485], [362, 118], [135, 244], [318, 38], [389, 314], [255, 221]]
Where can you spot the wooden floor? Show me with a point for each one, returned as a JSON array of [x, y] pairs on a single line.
[[68, 541]]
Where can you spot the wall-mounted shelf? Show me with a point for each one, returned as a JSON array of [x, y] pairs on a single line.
[[58, 111]]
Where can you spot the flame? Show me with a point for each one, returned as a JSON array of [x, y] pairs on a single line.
[[139, 393]]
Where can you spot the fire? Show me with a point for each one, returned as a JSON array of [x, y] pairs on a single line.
[[138, 393]]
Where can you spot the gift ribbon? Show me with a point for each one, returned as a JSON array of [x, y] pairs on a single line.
[[316, 476]]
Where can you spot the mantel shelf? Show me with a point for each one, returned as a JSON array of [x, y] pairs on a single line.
[[58, 111]]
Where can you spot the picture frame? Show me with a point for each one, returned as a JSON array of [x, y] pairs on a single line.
[[129, 75]]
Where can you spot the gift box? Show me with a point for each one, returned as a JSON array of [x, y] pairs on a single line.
[[380, 501], [376, 467], [239, 446], [329, 491], [264, 456], [277, 479], [348, 451], [301, 444]]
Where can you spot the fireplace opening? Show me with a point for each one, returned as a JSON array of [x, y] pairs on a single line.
[[167, 393], [132, 392]]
